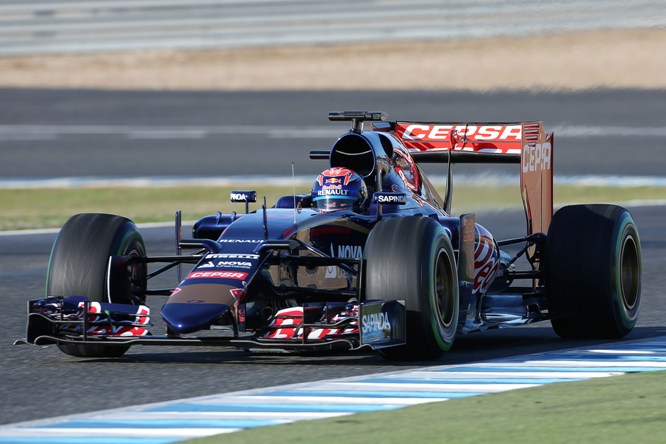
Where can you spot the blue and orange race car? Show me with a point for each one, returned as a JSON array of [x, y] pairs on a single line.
[[371, 258]]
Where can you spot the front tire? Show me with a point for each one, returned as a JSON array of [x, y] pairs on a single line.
[[411, 259], [593, 271], [79, 263]]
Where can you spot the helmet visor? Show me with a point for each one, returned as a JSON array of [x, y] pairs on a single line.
[[333, 203]]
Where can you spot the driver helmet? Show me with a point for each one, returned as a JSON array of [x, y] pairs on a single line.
[[337, 189]]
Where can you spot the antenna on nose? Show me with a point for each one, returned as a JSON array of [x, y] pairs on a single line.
[[293, 188]]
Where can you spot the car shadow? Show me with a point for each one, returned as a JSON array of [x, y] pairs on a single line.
[[474, 347]]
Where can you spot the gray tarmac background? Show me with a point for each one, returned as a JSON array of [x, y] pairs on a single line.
[[249, 140], [37, 383]]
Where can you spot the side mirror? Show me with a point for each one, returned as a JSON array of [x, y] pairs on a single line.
[[243, 196], [384, 197]]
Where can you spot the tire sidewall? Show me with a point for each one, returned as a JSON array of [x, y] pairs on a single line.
[[441, 333], [625, 237]]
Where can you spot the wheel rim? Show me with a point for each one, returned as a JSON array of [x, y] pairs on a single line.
[[133, 269], [629, 273], [129, 283], [443, 290]]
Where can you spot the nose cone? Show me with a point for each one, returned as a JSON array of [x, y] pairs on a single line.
[[191, 316], [196, 306]]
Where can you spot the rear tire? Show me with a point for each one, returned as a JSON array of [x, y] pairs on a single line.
[[79, 263], [411, 259], [593, 271]]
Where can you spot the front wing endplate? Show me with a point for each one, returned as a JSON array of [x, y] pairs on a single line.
[[383, 323]]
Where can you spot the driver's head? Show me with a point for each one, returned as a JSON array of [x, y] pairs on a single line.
[[338, 189]]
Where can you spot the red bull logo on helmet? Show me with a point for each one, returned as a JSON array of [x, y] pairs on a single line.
[[335, 175]]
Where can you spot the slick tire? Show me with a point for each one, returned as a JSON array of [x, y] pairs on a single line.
[[79, 264], [593, 271], [411, 259]]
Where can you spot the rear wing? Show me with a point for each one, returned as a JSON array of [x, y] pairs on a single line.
[[524, 143]]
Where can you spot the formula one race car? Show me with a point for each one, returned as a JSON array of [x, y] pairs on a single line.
[[371, 258]]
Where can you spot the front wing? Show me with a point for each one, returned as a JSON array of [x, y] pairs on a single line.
[[76, 320]]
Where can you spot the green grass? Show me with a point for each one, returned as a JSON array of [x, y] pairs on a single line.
[[621, 409], [51, 207]]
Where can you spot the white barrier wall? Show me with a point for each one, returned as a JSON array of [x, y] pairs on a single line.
[[43, 26]]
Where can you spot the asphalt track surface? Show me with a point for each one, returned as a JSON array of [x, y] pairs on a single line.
[[42, 382], [56, 133]]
